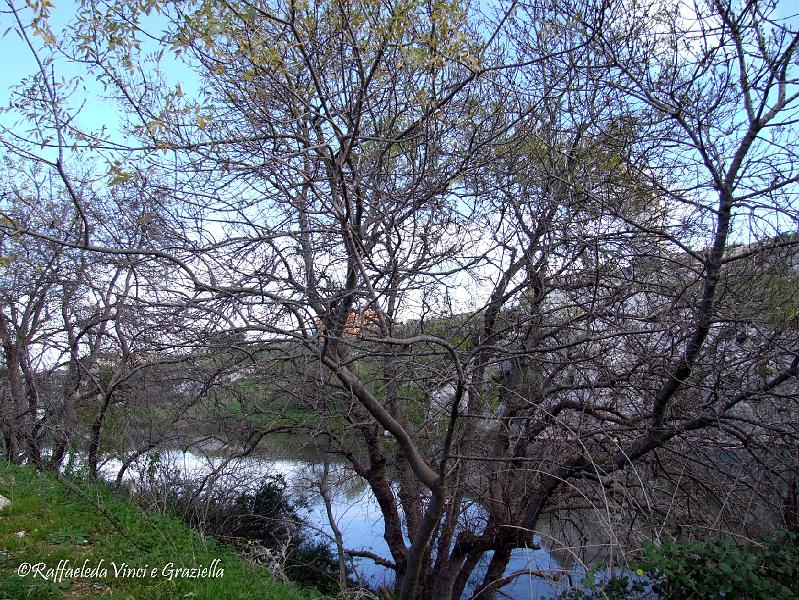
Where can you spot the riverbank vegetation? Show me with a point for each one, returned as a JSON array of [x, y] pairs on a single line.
[[527, 268], [56, 522]]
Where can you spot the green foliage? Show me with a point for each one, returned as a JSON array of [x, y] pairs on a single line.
[[19, 588], [313, 563], [595, 587], [267, 517], [710, 569], [49, 521], [703, 569], [68, 536]]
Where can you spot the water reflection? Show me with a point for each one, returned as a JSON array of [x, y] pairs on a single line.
[[354, 508]]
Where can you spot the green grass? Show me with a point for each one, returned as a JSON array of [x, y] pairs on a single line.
[[86, 524]]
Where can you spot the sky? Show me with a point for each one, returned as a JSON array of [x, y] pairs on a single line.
[[20, 62], [97, 112]]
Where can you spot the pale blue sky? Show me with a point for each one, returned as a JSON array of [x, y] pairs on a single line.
[[19, 62]]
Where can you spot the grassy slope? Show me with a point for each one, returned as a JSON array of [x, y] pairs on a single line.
[[91, 523]]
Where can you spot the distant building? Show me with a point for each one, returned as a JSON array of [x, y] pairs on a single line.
[[359, 322]]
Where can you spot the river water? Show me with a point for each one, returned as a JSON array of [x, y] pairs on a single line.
[[354, 508]]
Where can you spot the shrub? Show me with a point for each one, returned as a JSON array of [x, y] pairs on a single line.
[[595, 586], [263, 519], [710, 569], [703, 569]]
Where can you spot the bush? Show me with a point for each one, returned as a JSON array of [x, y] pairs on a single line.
[[265, 516], [703, 570], [595, 586], [313, 563], [710, 569], [263, 523]]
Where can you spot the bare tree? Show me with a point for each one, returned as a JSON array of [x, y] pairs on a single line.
[[530, 268]]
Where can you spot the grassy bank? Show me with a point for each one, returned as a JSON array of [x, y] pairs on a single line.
[[55, 529]]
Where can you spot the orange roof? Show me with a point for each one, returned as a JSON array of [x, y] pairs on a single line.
[[357, 323]]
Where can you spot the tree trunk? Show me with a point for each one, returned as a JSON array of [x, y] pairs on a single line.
[[97, 430]]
